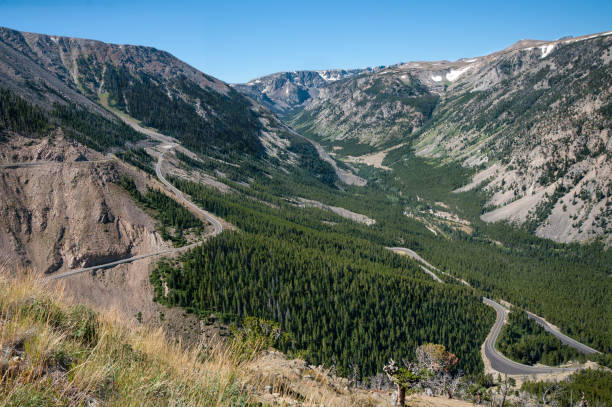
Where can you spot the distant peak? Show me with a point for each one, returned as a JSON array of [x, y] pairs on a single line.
[[526, 43]]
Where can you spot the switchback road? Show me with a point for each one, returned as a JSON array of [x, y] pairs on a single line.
[[158, 170], [208, 216], [501, 363], [498, 361]]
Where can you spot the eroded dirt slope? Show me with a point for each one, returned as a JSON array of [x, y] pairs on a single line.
[[68, 213]]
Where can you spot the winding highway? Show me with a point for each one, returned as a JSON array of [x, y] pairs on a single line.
[[498, 361], [206, 215], [117, 262], [501, 363], [548, 327], [209, 217], [414, 255]]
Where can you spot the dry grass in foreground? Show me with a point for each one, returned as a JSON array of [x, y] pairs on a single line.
[[56, 353]]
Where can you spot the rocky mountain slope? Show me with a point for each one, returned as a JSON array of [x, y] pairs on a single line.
[[86, 86], [61, 99], [76, 117], [536, 121], [61, 205], [284, 91], [149, 85], [534, 118], [68, 213], [368, 109]]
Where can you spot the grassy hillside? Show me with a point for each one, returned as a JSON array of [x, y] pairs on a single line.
[[54, 353]]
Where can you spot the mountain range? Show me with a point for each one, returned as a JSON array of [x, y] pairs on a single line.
[[345, 216], [532, 121]]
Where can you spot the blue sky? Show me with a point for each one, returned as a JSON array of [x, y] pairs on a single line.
[[239, 40]]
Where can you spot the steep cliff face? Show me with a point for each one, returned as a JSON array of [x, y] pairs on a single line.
[[68, 212]]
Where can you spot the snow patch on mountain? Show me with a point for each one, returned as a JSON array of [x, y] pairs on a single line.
[[456, 73], [332, 76], [547, 49], [590, 37]]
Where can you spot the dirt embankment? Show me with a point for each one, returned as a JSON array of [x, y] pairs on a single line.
[[69, 213], [345, 213]]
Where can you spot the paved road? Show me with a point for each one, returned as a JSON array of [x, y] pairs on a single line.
[[563, 338], [498, 361], [49, 163], [414, 255], [158, 169], [431, 273], [122, 261], [501, 363]]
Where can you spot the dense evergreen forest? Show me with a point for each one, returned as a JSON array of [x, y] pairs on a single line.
[[77, 124], [228, 122], [311, 163], [595, 384], [524, 341], [567, 284], [344, 300], [19, 116], [91, 129], [169, 213]]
